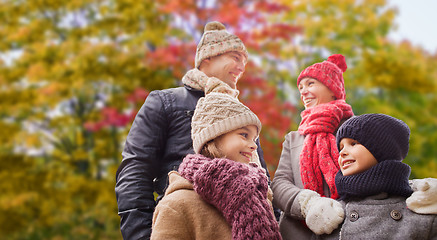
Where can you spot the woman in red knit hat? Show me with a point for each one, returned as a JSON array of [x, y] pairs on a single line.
[[304, 183]]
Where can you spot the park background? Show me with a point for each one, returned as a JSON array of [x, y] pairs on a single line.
[[74, 73]]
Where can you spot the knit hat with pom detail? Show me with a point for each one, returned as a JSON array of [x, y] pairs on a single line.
[[215, 41], [217, 114], [386, 137], [330, 73]]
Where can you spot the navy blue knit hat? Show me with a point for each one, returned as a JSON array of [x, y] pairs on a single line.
[[386, 137]]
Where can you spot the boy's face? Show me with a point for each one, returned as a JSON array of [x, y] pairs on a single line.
[[228, 67], [238, 145], [354, 158]]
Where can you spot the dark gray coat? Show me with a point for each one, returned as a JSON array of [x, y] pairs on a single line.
[[383, 217]]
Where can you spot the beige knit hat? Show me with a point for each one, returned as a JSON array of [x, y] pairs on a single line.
[[217, 114], [215, 41]]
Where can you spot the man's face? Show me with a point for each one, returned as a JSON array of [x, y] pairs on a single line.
[[228, 67]]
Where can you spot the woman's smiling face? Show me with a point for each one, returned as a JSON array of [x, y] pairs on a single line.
[[313, 92]]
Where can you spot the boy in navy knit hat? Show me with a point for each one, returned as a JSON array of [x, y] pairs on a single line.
[[371, 149], [373, 182]]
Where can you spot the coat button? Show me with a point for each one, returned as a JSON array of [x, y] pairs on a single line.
[[353, 216], [396, 215]]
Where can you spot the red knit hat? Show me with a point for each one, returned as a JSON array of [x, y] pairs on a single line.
[[330, 73]]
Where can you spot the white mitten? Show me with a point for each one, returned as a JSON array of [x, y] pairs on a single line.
[[424, 198], [322, 215]]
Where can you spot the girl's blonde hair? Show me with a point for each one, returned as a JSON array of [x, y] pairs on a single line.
[[210, 150]]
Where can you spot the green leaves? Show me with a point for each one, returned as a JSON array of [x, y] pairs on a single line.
[[399, 80]]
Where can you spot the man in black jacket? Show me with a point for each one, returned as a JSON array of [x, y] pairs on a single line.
[[160, 136]]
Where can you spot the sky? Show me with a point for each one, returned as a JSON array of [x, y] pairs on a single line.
[[417, 22]]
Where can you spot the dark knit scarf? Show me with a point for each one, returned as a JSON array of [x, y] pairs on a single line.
[[388, 176], [319, 154], [238, 191]]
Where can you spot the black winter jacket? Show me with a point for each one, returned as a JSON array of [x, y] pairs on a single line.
[[160, 137]]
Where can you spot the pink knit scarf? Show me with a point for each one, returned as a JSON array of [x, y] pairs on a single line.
[[319, 155], [238, 191]]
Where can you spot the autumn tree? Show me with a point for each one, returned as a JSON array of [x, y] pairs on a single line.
[[382, 76], [74, 73], [399, 80], [67, 65]]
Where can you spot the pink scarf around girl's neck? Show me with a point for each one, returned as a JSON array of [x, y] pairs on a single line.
[[238, 191], [319, 156]]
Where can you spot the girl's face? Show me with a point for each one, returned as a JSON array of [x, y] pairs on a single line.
[[313, 92], [354, 158], [238, 145]]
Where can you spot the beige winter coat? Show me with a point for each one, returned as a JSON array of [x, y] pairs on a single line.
[[182, 214]]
